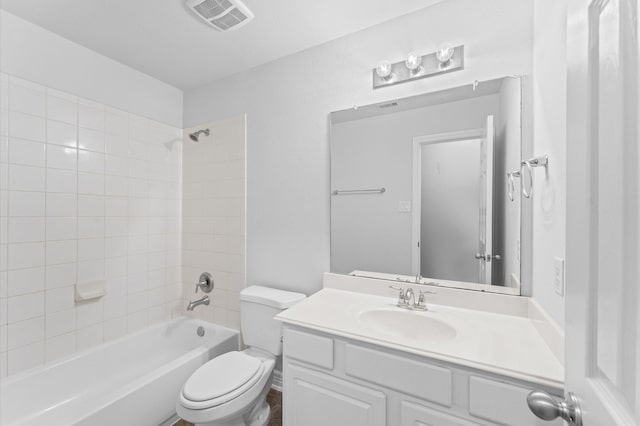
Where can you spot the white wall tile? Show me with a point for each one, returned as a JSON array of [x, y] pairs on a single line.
[[59, 299], [89, 313], [59, 252], [61, 204], [26, 203], [25, 357], [90, 270], [62, 157], [4, 90], [83, 198], [24, 281], [90, 183], [26, 229], [60, 346], [91, 227], [91, 140], [89, 161], [60, 109], [115, 328], [26, 152], [90, 249], [91, 115], [26, 178], [57, 276], [25, 255], [26, 306], [62, 181], [61, 228], [61, 322], [27, 98], [116, 122], [62, 134], [90, 205], [90, 336], [25, 332]]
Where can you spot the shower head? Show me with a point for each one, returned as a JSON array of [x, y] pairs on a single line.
[[195, 135]]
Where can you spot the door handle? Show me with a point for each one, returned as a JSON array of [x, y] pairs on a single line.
[[487, 257], [546, 407]]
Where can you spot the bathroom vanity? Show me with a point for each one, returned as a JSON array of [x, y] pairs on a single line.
[[352, 357]]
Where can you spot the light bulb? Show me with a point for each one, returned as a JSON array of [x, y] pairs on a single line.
[[445, 53], [413, 61], [384, 69]]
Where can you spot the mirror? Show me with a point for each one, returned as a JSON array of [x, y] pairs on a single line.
[[420, 187]]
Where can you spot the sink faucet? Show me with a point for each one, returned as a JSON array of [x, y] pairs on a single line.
[[407, 298], [203, 301]]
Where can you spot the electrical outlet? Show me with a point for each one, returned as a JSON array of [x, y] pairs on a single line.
[[404, 206], [558, 275]]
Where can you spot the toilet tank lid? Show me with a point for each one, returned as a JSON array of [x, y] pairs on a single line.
[[273, 297]]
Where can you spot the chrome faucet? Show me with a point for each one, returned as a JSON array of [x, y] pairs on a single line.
[[407, 298], [203, 301]]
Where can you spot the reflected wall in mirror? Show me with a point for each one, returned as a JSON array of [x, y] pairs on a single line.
[[419, 187]]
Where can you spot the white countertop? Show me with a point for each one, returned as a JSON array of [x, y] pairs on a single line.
[[502, 344]]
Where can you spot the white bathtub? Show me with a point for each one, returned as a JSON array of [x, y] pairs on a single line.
[[131, 381]]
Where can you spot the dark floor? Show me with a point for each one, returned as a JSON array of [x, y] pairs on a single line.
[[274, 398]]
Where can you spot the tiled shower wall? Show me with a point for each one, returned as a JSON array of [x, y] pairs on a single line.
[[87, 193], [214, 218]]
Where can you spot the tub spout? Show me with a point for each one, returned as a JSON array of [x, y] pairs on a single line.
[[203, 301]]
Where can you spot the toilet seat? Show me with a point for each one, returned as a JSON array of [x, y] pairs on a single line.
[[220, 380]]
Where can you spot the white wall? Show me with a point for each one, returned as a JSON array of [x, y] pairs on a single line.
[[38, 55], [549, 132], [287, 104], [213, 209]]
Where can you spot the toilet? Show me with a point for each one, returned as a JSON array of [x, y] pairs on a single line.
[[231, 389]]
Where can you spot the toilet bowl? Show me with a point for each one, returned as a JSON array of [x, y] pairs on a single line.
[[231, 389]]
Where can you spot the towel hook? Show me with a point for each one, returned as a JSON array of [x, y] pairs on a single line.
[[529, 165]]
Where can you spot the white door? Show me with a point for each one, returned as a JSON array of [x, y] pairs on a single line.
[[602, 344], [485, 227]]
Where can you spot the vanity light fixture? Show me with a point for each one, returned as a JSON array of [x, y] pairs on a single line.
[[444, 55], [413, 62], [384, 70], [447, 59]]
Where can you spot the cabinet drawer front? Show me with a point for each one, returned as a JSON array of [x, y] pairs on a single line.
[[416, 415], [418, 379], [502, 403], [315, 350], [317, 399]]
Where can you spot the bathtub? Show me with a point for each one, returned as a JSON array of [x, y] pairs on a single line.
[[134, 380]]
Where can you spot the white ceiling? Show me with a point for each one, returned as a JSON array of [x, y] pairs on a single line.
[[166, 40]]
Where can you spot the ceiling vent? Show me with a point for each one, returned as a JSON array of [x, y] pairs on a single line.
[[223, 15]]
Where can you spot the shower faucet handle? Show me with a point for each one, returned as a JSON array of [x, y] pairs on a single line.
[[205, 283]]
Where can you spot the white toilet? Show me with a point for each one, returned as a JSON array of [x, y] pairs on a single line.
[[231, 389]]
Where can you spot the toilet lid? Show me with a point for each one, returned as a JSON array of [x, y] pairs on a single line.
[[221, 376]]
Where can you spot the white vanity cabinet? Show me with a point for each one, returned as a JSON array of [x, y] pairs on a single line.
[[331, 380]]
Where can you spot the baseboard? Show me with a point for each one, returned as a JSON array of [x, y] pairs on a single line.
[[277, 381]]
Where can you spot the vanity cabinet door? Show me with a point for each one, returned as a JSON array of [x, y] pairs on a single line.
[[417, 415], [317, 399]]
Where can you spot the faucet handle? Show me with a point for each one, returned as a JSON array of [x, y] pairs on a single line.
[[205, 282], [422, 300], [401, 296]]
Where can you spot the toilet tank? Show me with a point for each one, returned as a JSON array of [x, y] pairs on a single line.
[[258, 306]]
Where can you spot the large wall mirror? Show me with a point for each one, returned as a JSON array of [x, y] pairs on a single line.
[[421, 187]]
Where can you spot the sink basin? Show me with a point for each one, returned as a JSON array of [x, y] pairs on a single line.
[[407, 324]]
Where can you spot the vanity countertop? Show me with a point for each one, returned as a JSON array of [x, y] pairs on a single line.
[[499, 343]]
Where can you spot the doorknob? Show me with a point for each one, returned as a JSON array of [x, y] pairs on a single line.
[[548, 408]]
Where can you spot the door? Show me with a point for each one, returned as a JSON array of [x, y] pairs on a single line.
[[485, 228], [602, 353]]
